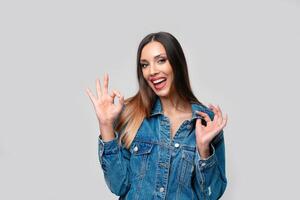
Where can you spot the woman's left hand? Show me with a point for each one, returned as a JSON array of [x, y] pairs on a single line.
[[205, 134]]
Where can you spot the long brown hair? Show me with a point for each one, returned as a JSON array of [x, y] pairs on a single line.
[[139, 106]]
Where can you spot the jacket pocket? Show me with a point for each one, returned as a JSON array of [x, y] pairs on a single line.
[[140, 152], [186, 167]]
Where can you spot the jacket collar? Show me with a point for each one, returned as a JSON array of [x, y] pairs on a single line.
[[157, 109]]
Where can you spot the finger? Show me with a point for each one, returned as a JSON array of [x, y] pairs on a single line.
[[204, 115], [121, 98], [224, 121], [221, 127], [219, 110], [199, 124], [121, 101], [214, 109], [105, 87], [90, 94], [117, 93], [98, 87], [220, 119], [113, 94]]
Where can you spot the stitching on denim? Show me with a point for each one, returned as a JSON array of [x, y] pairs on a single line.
[[202, 185]]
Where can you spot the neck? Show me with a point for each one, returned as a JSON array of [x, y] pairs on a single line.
[[175, 105]]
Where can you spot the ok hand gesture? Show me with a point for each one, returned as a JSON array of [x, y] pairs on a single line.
[[104, 106], [205, 134]]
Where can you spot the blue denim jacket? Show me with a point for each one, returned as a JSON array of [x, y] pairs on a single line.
[[157, 167]]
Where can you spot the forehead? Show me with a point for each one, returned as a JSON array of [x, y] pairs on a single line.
[[152, 49]]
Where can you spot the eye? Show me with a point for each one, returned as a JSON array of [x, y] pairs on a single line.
[[162, 60], [143, 65]]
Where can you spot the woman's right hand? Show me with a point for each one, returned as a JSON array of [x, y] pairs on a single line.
[[104, 106]]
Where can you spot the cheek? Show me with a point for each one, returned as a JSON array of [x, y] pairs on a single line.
[[145, 77], [144, 74], [169, 70], [171, 83], [171, 77]]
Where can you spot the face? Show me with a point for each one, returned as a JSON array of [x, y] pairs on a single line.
[[156, 68]]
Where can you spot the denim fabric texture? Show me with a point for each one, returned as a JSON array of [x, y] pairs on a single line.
[[156, 167]]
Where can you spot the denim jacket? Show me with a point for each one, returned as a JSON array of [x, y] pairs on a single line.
[[156, 167]]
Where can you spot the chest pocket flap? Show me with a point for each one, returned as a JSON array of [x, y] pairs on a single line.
[[140, 148]]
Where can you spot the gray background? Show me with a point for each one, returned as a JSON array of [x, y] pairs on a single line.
[[242, 55]]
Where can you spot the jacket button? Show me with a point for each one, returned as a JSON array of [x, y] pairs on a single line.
[[161, 189], [176, 145], [189, 126], [135, 149]]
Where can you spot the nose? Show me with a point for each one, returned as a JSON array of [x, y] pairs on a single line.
[[153, 69]]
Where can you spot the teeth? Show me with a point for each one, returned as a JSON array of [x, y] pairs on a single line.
[[158, 81]]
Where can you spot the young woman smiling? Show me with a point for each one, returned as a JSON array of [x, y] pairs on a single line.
[[161, 143]]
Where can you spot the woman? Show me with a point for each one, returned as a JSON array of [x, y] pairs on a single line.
[[162, 143]]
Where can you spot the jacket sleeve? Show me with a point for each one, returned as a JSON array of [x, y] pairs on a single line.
[[114, 161], [210, 180]]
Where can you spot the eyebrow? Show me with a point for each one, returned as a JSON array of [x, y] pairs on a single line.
[[155, 57]]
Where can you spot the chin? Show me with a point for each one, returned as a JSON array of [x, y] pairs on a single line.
[[162, 93]]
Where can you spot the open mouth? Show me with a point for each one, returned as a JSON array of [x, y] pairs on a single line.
[[159, 83]]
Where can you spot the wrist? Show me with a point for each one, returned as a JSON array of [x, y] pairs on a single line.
[[106, 132], [105, 123], [204, 151]]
